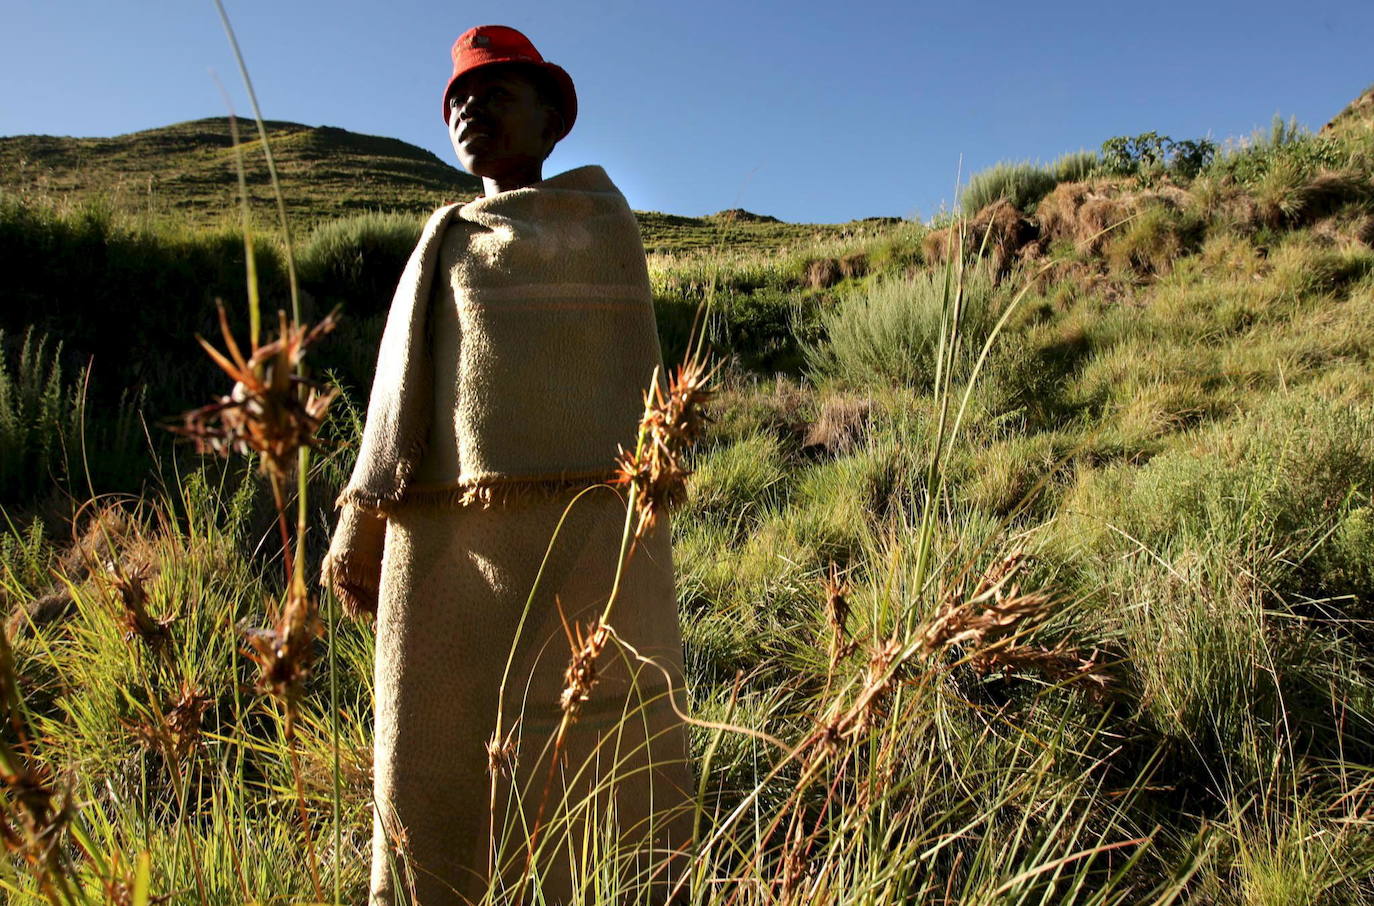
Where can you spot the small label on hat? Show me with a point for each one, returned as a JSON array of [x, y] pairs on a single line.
[[480, 40]]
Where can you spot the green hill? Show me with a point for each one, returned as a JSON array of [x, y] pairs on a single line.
[[188, 169]]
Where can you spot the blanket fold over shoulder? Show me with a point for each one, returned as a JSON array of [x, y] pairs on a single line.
[[515, 356]]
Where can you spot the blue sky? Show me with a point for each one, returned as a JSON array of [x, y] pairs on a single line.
[[810, 111]]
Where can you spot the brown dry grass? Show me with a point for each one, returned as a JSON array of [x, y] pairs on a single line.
[[1008, 233], [842, 426]]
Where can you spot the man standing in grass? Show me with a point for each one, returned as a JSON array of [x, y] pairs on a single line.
[[516, 351]]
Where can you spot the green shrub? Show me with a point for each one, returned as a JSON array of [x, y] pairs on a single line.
[[1150, 153], [41, 428], [1023, 184], [132, 299], [1207, 555], [357, 260], [891, 333], [1298, 153], [1075, 166], [760, 330]]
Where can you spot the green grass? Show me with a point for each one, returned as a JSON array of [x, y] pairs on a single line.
[[890, 334], [1167, 459], [1023, 184]]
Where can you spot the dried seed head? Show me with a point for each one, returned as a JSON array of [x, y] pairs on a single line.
[[501, 755], [996, 609], [887, 663], [133, 594], [270, 410], [285, 652], [837, 610], [672, 422], [1060, 664], [185, 718], [796, 862], [580, 676], [986, 625], [37, 812]]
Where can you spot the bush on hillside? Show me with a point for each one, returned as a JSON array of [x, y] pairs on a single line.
[[356, 261], [1287, 196], [1283, 145], [1149, 154], [1075, 166], [1157, 235], [41, 432], [1231, 564], [132, 298], [891, 333], [1023, 184]]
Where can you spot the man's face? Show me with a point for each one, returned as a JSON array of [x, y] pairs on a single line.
[[497, 122]]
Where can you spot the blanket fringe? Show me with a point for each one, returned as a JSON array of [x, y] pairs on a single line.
[[486, 494]]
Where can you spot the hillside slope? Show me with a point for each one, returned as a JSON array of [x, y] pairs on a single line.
[[189, 168], [1358, 114]]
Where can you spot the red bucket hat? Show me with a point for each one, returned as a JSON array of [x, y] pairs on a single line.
[[488, 44]]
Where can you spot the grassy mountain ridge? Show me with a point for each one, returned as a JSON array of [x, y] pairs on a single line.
[[188, 168], [185, 172]]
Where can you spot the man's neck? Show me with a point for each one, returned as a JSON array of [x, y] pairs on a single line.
[[491, 185]]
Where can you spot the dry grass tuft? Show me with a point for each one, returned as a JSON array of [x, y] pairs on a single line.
[[842, 425], [1009, 235], [823, 273]]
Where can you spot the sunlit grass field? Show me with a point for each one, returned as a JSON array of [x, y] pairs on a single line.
[[1050, 583]]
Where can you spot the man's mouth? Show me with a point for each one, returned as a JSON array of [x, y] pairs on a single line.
[[470, 132]]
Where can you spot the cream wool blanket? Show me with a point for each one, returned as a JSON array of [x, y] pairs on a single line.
[[453, 592], [533, 376], [515, 356]]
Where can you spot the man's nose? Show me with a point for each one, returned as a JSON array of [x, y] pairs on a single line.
[[468, 107]]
